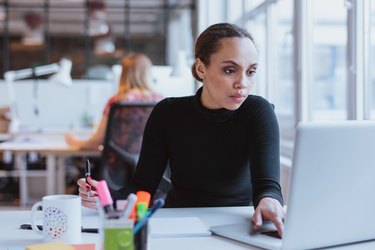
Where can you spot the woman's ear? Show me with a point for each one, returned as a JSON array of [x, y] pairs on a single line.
[[200, 68]]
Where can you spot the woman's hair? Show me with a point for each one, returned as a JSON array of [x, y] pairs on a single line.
[[209, 40], [136, 73]]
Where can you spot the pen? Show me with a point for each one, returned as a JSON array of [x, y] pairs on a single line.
[[87, 173], [40, 227], [158, 204], [89, 230]]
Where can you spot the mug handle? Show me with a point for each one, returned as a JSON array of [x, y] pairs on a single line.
[[33, 210]]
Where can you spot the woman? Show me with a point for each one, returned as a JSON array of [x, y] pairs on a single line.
[[222, 144], [135, 86]]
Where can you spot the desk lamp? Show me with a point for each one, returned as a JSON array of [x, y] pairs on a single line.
[[61, 75]]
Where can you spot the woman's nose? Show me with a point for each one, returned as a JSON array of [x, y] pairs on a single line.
[[241, 82]]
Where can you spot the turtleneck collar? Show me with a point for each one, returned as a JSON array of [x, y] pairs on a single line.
[[212, 115]]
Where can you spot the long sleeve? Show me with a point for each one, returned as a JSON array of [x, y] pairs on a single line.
[[264, 154]]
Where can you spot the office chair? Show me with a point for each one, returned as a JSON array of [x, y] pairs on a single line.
[[122, 144], [123, 140]]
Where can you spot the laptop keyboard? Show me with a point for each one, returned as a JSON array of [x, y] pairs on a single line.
[[272, 234]]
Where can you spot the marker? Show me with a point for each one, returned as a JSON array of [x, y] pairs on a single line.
[[132, 199], [144, 197], [105, 197], [88, 174], [157, 204], [141, 210]]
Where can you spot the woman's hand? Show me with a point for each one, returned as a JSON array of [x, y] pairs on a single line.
[[88, 192], [269, 209], [69, 138]]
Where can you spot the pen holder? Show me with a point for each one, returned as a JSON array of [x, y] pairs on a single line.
[[141, 241], [117, 234]]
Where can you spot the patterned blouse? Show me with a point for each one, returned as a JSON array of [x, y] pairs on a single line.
[[133, 95]]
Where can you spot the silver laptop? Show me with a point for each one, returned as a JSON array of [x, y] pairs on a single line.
[[332, 189]]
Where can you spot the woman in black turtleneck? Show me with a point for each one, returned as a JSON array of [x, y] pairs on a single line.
[[222, 144]]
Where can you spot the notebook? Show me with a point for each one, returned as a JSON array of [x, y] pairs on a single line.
[[178, 227], [331, 196]]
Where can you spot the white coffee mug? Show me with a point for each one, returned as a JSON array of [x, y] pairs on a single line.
[[61, 218]]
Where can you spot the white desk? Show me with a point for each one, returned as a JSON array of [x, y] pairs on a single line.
[[54, 148], [11, 236]]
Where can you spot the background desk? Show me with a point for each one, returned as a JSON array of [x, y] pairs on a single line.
[[11, 236], [50, 145]]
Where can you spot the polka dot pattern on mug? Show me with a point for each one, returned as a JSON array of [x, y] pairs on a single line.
[[55, 222]]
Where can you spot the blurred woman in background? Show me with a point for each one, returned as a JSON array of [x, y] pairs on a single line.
[[135, 86]]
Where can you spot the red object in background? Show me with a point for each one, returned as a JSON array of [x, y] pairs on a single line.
[[33, 20], [96, 6]]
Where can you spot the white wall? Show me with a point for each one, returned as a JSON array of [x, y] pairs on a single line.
[[62, 108], [170, 86], [59, 107]]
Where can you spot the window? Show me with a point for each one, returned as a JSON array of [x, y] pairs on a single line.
[[257, 28], [329, 60], [271, 24], [234, 13], [372, 61], [250, 4], [284, 89]]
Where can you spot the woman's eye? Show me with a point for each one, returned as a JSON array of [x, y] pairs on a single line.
[[229, 71], [251, 72]]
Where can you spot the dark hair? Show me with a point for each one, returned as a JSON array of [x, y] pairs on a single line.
[[208, 41]]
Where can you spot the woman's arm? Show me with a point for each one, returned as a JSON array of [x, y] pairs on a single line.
[[265, 169], [265, 153], [94, 141]]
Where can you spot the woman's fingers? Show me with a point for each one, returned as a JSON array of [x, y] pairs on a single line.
[[271, 210], [92, 182], [81, 182], [257, 219], [87, 192], [88, 204], [90, 186], [69, 139], [278, 222]]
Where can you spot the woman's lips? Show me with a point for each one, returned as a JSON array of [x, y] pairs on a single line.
[[238, 98]]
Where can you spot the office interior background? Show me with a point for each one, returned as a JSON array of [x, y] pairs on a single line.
[[316, 57]]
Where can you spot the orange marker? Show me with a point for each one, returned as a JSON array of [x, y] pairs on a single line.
[[144, 197]]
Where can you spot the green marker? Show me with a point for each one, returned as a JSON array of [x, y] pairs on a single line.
[[141, 210]]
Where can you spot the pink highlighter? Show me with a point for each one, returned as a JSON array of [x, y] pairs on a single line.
[[105, 198]]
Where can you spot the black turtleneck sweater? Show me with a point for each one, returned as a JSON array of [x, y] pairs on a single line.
[[217, 157]]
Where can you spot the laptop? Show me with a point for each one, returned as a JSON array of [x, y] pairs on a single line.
[[332, 189]]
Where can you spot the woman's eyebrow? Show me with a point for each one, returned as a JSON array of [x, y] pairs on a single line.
[[254, 65]]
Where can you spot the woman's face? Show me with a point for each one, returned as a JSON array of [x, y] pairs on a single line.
[[228, 78]]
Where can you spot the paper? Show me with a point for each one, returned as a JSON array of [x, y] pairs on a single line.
[[178, 227], [49, 246]]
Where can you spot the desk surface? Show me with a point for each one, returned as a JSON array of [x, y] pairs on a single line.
[[44, 143], [11, 236]]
